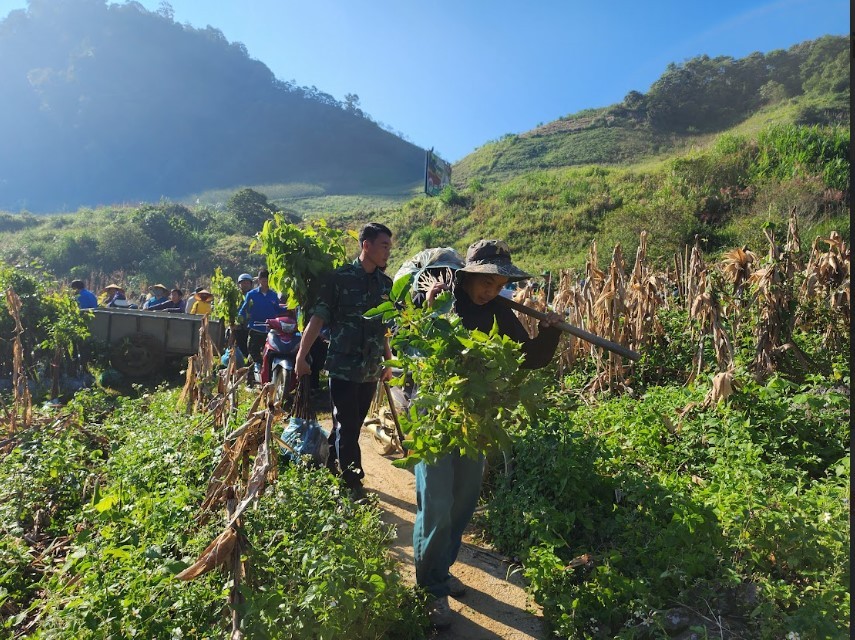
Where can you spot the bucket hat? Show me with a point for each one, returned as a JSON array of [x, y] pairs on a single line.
[[492, 257]]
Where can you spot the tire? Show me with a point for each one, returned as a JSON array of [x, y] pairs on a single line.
[[282, 380], [138, 355]]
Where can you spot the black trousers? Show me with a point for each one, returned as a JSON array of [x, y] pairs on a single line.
[[241, 338], [350, 404], [256, 346]]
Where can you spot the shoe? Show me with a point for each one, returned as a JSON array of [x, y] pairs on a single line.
[[439, 613], [455, 587], [357, 491]]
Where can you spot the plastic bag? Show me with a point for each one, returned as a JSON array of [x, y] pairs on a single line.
[[308, 438]]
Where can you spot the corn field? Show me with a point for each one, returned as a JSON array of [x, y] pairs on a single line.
[[718, 299]]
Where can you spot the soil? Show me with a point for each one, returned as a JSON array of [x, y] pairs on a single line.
[[495, 604]]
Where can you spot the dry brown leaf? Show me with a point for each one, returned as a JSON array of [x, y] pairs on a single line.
[[215, 554]]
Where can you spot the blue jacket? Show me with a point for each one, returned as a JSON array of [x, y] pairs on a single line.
[[258, 307], [86, 299], [153, 301]]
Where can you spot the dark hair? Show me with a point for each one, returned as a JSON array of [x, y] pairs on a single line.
[[198, 289], [178, 291], [77, 284], [263, 273], [372, 230]]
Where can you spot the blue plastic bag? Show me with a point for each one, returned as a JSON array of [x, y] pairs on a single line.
[[307, 438], [241, 360]]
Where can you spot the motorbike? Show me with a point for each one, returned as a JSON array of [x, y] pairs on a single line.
[[278, 356]]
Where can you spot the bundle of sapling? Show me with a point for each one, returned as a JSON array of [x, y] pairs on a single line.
[[227, 297], [470, 388], [298, 259]]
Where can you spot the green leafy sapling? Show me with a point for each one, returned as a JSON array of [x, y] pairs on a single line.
[[470, 388]]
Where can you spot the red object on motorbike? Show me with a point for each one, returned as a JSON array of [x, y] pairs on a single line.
[[282, 339]]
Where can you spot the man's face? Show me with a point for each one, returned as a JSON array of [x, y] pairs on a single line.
[[245, 285], [263, 282], [483, 287], [378, 249], [175, 296]]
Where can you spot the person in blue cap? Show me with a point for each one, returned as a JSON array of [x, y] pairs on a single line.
[[240, 330], [260, 304]]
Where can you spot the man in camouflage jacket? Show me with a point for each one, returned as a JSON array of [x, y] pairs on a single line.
[[357, 347]]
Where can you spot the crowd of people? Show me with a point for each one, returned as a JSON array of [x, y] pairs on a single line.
[[159, 298], [447, 491]]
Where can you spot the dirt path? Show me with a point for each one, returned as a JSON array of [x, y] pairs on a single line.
[[495, 605]]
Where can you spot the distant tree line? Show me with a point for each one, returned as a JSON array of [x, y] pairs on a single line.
[[163, 242], [711, 94]]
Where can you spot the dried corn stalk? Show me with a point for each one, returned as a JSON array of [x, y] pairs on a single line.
[[826, 283], [217, 553], [22, 404], [200, 381]]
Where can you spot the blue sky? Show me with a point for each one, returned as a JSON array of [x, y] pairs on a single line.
[[455, 74]]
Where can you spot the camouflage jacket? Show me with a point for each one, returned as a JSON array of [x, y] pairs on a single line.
[[357, 345]]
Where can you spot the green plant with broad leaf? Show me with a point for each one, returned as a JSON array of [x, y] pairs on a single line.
[[470, 388], [227, 297], [299, 258]]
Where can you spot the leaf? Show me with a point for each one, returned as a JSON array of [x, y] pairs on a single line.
[[407, 462], [106, 503], [380, 309], [401, 287], [377, 582]]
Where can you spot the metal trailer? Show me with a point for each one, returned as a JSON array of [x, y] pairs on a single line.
[[141, 341]]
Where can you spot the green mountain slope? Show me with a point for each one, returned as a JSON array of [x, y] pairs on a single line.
[[110, 103], [808, 82], [722, 186]]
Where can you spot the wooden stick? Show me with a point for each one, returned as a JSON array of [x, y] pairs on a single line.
[[394, 415], [576, 331]]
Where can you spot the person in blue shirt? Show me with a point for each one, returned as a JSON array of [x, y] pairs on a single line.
[[175, 303], [85, 298], [260, 304], [159, 294]]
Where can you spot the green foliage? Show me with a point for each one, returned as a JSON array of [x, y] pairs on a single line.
[[298, 259], [53, 324], [249, 210], [731, 504], [789, 151], [722, 192], [318, 562], [470, 386], [227, 297], [65, 326]]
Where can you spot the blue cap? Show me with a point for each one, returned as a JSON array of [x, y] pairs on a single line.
[[244, 276]]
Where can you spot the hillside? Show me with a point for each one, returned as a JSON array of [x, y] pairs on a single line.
[[110, 103], [690, 101], [722, 186]]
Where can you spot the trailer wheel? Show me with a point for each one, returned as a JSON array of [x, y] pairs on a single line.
[[138, 355]]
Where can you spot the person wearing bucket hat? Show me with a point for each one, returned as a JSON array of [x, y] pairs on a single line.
[[159, 294], [447, 491], [114, 297]]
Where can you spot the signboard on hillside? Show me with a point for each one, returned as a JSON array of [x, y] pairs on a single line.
[[437, 173]]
